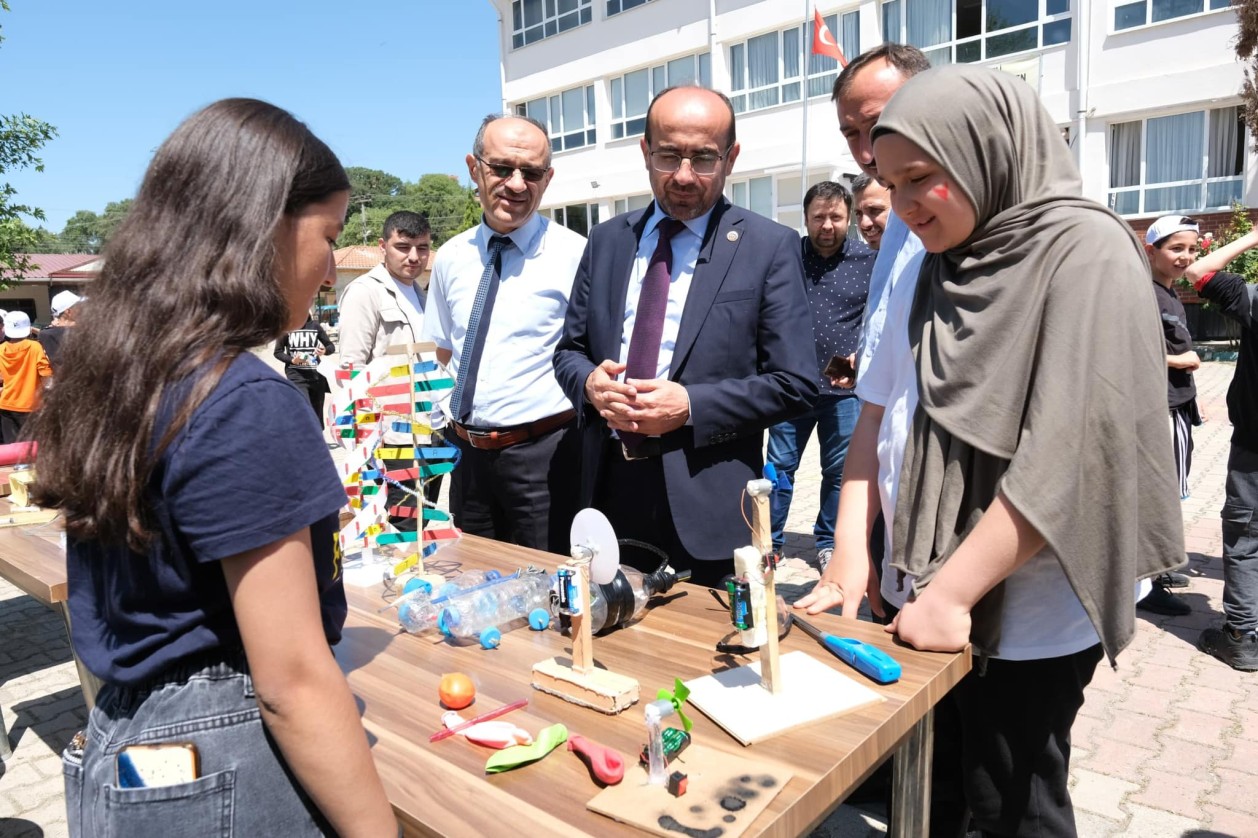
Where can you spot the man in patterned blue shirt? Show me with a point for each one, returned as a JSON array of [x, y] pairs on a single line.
[[836, 272]]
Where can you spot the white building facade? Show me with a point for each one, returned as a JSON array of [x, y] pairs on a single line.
[[1146, 91]]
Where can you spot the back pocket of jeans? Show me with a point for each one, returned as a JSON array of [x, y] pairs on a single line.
[[200, 808], [72, 771]]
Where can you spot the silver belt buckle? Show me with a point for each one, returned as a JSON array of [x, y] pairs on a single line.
[[629, 455]]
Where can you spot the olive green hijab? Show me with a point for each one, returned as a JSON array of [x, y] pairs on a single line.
[[1040, 360]]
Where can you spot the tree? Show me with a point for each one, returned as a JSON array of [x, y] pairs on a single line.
[[1247, 52], [87, 232], [21, 135]]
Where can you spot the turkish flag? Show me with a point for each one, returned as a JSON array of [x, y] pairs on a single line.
[[823, 42]]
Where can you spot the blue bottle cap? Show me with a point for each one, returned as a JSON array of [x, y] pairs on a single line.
[[539, 619], [490, 638], [416, 585], [491, 575], [445, 620]]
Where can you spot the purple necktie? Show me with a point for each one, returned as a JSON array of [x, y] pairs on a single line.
[[648, 321]]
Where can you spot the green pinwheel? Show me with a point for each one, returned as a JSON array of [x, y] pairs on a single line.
[[677, 698]]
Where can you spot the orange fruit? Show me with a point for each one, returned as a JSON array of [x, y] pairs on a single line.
[[456, 690]]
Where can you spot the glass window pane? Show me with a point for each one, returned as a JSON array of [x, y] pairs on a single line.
[[620, 206], [822, 85], [1220, 4], [737, 68], [566, 6], [537, 110], [969, 18], [1057, 32], [618, 98], [1173, 199], [1167, 9], [739, 194], [762, 61], [637, 93], [790, 54], [1223, 194], [969, 52], [789, 193], [634, 127], [1124, 154], [1173, 148], [792, 218], [739, 103], [1125, 203], [790, 92], [574, 109], [1010, 42], [639, 202], [761, 196], [891, 22], [589, 105], [517, 19], [705, 69], [766, 98], [939, 57], [532, 12], [577, 220], [1056, 7], [659, 80], [929, 22], [681, 71], [1003, 14], [850, 40], [1225, 143], [557, 125], [1132, 14]]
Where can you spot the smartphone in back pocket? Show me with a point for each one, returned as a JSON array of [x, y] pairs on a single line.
[[160, 764]]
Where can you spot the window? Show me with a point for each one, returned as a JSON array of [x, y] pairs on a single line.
[[765, 70], [1127, 15], [615, 7], [1185, 162], [780, 199], [984, 29], [578, 217], [568, 116], [633, 92], [533, 20], [633, 202]]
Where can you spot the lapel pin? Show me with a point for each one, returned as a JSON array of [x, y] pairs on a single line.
[[732, 235]]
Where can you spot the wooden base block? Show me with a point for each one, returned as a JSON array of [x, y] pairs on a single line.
[[724, 795], [26, 518], [599, 689], [810, 691], [20, 487]]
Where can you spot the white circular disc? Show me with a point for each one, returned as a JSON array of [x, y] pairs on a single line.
[[590, 528]]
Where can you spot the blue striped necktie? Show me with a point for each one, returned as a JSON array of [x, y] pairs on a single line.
[[474, 339]]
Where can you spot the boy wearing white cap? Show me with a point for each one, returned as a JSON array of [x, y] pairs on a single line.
[[63, 317], [23, 363], [1236, 641]]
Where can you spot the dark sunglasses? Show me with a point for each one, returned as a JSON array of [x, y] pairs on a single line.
[[505, 171]]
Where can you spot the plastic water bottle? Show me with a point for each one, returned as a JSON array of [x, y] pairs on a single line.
[[623, 599], [418, 608], [483, 613]]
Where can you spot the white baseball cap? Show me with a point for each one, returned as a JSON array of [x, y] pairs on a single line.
[[17, 324], [64, 301], [1169, 225]]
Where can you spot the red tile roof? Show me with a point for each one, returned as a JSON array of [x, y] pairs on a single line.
[[357, 257], [44, 264]]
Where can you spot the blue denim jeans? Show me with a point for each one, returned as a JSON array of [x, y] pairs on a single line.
[[1240, 541], [834, 418], [244, 787]]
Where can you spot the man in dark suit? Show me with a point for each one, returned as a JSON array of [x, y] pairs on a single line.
[[687, 334]]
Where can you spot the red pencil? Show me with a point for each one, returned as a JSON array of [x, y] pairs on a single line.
[[483, 717]]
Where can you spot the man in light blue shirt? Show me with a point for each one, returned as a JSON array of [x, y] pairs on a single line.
[[516, 480]]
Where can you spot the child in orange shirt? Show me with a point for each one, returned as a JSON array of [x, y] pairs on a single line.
[[22, 364]]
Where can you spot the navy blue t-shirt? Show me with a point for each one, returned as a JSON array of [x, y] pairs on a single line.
[[248, 469]]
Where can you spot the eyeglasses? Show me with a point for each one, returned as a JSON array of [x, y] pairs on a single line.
[[701, 164], [505, 171]]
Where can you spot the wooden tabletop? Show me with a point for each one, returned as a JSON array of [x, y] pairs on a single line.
[[33, 559], [441, 788]]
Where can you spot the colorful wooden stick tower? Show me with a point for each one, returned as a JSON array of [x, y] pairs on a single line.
[[394, 393]]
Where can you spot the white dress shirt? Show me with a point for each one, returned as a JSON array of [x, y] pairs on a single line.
[[686, 244], [516, 383]]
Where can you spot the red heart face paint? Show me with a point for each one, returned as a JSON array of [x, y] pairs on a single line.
[[941, 191]]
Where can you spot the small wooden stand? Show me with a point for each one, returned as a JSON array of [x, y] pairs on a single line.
[[578, 680], [762, 540], [20, 487]]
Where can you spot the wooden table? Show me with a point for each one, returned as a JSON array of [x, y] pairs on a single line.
[[441, 788], [33, 559]]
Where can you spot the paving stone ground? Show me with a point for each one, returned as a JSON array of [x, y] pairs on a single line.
[[1166, 745]]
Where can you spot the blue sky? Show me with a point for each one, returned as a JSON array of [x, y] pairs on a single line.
[[399, 86]]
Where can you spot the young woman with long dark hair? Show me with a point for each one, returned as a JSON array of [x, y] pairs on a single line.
[[200, 503]]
